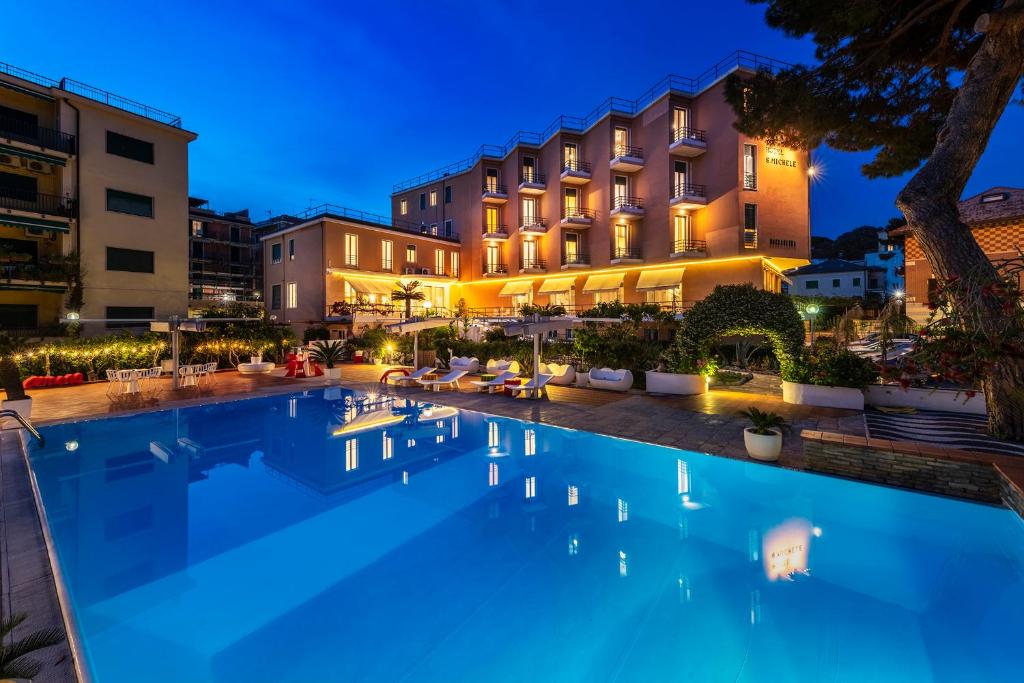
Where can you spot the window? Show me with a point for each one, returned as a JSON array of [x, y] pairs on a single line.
[[275, 252], [433, 228], [750, 226], [448, 194], [129, 260], [293, 295], [129, 148], [128, 313], [455, 264], [835, 282], [403, 206], [679, 173], [491, 219], [572, 247], [621, 142], [529, 170], [275, 297], [531, 487], [128, 202], [621, 190], [681, 236], [529, 254], [439, 262], [493, 258], [387, 251], [291, 250], [18, 316], [622, 240], [197, 228], [410, 253], [994, 197], [680, 122], [749, 167], [491, 180], [529, 211], [811, 284], [236, 254], [423, 200], [571, 201], [433, 197], [352, 250], [670, 296], [235, 233], [388, 447], [449, 228]]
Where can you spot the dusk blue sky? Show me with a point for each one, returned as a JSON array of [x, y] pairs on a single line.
[[299, 102]]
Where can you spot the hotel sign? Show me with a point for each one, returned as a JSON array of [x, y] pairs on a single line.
[[775, 157]]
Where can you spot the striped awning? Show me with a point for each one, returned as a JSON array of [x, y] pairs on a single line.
[[556, 285], [34, 223], [607, 282], [516, 288], [660, 279], [365, 285]]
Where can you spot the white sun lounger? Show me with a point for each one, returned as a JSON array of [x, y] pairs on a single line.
[[451, 380], [531, 385], [496, 384], [410, 380]]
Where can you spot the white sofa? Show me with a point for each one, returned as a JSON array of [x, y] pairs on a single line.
[[470, 365], [496, 367], [562, 375], [614, 380]]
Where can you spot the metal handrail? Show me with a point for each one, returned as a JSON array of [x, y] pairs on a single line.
[[34, 202], [26, 424], [626, 202], [680, 246], [535, 177], [534, 222], [495, 230], [684, 189], [495, 268], [30, 133], [577, 212], [626, 252], [495, 188], [627, 151], [580, 259], [749, 181], [532, 263], [576, 166], [687, 133], [335, 210]]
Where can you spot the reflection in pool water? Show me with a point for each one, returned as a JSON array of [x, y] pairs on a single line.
[[329, 536]]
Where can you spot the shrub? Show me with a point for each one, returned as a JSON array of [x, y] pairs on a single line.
[[636, 313], [316, 333], [545, 311], [617, 346], [832, 367]]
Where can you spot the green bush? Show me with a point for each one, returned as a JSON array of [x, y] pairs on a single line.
[[316, 333], [547, 310], [636, 313], [617, 345], [832, 367]]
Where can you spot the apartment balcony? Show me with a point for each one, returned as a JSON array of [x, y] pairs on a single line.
[[533, 265], [576, 172], [749, 181], [534, 225], [32, 276], [626, 255], [625, 206], [689, 196], [494, 193], [687, 142], [689, 249], [27, 136], [494, 269], [626, 158], [532, 183], [36, 211], [576, 260], [495, 232], [577, 217]]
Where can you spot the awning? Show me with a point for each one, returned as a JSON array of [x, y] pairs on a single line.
[[516, 288], [660, 279], [365, 285], [38, 156], [36, 223], [556, 285], [603, 283]]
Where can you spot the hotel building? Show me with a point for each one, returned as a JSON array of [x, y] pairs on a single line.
[[656, 199], [87, 173], [224, 258]]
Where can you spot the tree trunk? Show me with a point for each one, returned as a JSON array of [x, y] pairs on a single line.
[[929, 200]]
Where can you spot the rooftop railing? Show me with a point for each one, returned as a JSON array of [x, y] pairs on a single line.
[[336, 211], [686, 86]]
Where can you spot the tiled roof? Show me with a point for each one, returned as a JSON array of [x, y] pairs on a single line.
[[833, 265], [1002, 203]]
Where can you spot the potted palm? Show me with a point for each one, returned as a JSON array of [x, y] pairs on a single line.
[[329, 352], [10, 378], [763, 438], [15, 662]]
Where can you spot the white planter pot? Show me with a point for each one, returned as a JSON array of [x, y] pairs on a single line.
[[764, 447], [332, 373], [583, 379], [824, 397], [22, 406], [925, 399], [672, 383]]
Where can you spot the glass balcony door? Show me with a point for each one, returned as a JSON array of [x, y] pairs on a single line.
[[572, 247], [529, 170], [621, 141], [622, 238], [529, 211], [529, 253], [491, 180], [680, 118], [621, 189], [570, 154], [571, 201], [491, 219], [680, 173], [681, 233], [492, 256]]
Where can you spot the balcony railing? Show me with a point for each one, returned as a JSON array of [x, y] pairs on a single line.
[[749, 181], [626, 253], [627, 151], [534, 224], [576, 166], [387, 266], [578, 212], [750, 238], [495, 231], [31, 134], [495, 268], [680, 246], [687, 133], [49, 204], [532, 264], [577, 259], [627, 202], [31, 272], [495, 188], [534, 177], [689, 190]]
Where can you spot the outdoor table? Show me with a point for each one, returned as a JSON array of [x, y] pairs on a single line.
[[487, 377]]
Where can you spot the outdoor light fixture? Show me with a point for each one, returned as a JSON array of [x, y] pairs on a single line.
[[811, 170], [898, 293], [71, 446], [811, 311], [72, 315]]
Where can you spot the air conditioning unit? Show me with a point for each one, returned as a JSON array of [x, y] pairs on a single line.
[[425, 271], [10, 160], [38, 166], [410, 271]]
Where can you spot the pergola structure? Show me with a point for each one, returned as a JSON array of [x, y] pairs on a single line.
[[417, 326]]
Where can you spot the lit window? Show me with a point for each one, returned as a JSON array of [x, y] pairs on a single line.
[[293, 407], [352, 250], [492, 474], [275, 252], [530, 442], [291, 250], [387, 250], [292, 296], [351, 455], [623, 511], [531, 487], [749, 167], [411, 443], [197, 228], [455, 264], [388, 449], [439, 438], [433, 197], [410, 253], [403, 207], [439, 261], [750, 226], [405, 477], [574, 495]]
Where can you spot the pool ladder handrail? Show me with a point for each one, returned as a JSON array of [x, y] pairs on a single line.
[[24, 423]]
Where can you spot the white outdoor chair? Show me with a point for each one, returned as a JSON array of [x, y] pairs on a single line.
[[531, 386], [188, 375], [113, 386], [209, 371], [151, 379], [496, 384], [451, 380], [128, 381], [409, 380]]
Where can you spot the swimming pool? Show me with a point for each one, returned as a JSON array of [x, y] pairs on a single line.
[[313, 537]]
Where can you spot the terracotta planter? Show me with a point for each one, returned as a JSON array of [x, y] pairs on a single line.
[[824, 397], [764, 447], [672, 383]]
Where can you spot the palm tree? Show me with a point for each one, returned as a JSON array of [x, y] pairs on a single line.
[[407, 292], [13, 653]]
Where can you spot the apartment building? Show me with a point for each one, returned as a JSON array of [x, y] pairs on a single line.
[[996, 219], [225, 264], [339, 267], [656, 199], [93, 177]]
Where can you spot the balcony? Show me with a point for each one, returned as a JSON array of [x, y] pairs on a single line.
[[532, 265], [626, 158], [626, 255], [13, 199], [534, 225], [689, 196], [495, 232], [21, 134], [495, 269], [749, 181], [624, 206], [687, 142], [20, 276], [532, 183], [493, 193], [577, 217], [576, 172], [575, 260], [689, 249]]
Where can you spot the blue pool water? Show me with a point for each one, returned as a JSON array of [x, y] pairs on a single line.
[[303, 538]]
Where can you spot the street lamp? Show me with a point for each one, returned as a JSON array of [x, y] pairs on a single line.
[[811, 311]]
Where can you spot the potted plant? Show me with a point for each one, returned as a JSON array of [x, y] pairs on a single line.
[[681, 373], [10, 377], [15, 662], [763, 438], [329, 352], [828, 377]]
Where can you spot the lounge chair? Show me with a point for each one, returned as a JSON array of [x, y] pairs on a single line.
[[496, 384], [531, 385], [496, 367], [410, 380], [470, 365], [563, 375], [614, 380], [451, 380]]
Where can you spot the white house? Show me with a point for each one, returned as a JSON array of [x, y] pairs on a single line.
[[836, 277]]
